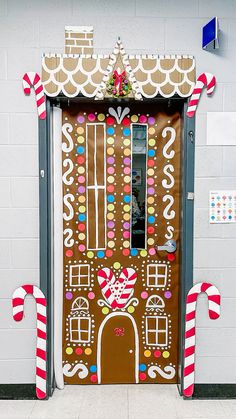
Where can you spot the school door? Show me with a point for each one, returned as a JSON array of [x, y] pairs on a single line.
[[121, 197]]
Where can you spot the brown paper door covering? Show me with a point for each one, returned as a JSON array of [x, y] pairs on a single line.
[[138, 343]]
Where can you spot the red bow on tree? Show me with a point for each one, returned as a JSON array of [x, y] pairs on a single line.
[[118, 79]]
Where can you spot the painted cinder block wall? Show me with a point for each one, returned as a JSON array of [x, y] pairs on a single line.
[[28, 28]]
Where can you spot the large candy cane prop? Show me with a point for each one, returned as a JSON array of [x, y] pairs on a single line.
[[213, 296], [18, 311], [33, 79], [207, 80]]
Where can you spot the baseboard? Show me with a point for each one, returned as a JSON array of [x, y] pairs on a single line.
[[18, 392], [214, 391]]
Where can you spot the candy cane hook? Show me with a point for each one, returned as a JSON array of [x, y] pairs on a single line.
[[213, 296], [18, 311], [33, 79], [204, 80]]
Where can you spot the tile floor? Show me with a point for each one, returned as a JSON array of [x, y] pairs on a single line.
[[118, 402]]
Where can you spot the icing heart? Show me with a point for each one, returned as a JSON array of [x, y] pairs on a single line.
[[117, 292]]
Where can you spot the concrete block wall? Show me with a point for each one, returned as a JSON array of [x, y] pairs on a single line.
[[28, 28]]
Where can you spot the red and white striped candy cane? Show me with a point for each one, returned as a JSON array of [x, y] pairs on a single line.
[[33, 79], [207, 80], [18, 311], [213, 296]]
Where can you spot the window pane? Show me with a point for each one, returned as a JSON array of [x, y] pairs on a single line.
[[139, 147]]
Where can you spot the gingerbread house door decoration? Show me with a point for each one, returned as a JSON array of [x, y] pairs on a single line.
[[122, 129]]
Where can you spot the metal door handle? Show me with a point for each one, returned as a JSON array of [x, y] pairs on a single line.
[[169, 246]]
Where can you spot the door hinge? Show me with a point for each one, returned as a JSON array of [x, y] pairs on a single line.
[[190, 196]]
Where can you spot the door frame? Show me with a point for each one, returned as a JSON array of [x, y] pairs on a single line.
[[46, 221]]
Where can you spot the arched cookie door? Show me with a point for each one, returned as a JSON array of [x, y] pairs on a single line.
[[118, 350]]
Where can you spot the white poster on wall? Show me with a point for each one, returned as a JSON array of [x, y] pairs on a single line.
[[222, 205], [221, 128]]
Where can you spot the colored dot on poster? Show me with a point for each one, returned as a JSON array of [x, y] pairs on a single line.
[[134, 118], [80, 119], [125, 252], [131, 309], [127, 179], [127, 161], [151, 153], [126, 142], [80, 159], [116, 265], [81, 247], [151, 131], [126, 208], [81, 217], [88, 351], [101, 116], [69, 253], [111, 224], [110, 170], [151, 230], [111, 244], [105, 310], [126, 244], [126, 122], [126, 132], [126, 198], [151, 142], [150, 241], [90, 255], [80, 130], [110, 140], [147, 353], [143, 253], [127, 170], [166, 354], [79, 351], [69, 295], [126, 234], [167, 294], [109, 253], [142, 376], [80, 150], [150, 200], [171, 257], [82, 208], [81, 170], [110, 207], [80, 139], [110, 188], [134, 252], [152, 251], [151, 191], [110, 179], [126, 216], [151, 210], [150, 172], [110, 131], [157, 354], [143, 119], [93, 368], [81, 189], [91, 117], [91, 295], [94, 378], [142, 367], [69, 351], [144, 295], [151, 120], [151, 163], [81, 179], [126, 225], [110, 198], [150, 181], [81, 227], [110, 120], [110, 216], [151, 219], [110, 151], [110, 160], [100, 254], [127, 152], [127, 188]]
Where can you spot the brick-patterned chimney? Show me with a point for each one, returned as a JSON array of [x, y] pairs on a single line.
[[78, 39]]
